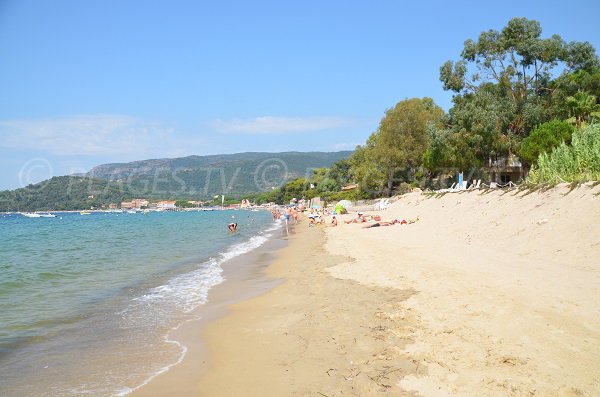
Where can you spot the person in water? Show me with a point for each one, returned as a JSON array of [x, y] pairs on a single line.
[[232, 227]]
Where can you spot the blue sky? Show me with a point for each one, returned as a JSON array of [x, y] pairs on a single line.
[[84, 83]]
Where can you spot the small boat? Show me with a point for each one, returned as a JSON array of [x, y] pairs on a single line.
[[85, 213], [31, 215], [46, 215]]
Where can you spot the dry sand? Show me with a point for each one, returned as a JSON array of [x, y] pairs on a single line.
[[490, 293]]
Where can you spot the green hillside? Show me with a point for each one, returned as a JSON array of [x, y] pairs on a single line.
[[193, 177], [205, 176], [64, 193]]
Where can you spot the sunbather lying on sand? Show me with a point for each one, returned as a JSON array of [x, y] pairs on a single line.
[[395, 221], [380, 223]]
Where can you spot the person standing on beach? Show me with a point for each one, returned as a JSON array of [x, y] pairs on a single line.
[[287, 214]]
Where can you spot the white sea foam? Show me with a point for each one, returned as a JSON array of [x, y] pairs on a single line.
[[184, 292], [189, 290], [128, 390]]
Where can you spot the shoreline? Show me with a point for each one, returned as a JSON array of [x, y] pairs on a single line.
[[488, 294], [276, 341], [244, 278]]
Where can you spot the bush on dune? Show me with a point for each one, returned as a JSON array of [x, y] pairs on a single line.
[[579, 162]]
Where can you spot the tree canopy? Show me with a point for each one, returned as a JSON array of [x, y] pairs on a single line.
[[506, 83], [397, 145]]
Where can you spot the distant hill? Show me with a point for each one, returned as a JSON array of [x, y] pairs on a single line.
[[65, 193], [193, 177], [205, 176]]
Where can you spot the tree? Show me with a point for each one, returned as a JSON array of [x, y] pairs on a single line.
[[517, 59], [544, 138], [520, 63], [582, 108], [483, 118], [340, 172], [365, 170], [401, 138], [504, 87], [184, 204], [296, 188], [450, 150], [568, 85]]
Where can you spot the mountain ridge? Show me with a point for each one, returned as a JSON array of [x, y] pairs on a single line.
[[100, 171], [190, 177]]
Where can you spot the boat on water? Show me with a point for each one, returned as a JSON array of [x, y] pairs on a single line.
[[38, 214], [31, 214], [85, 213]]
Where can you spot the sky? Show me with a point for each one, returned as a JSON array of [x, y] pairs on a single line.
[[84, 83]]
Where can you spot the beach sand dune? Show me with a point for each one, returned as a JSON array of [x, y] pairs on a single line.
[[507, 289]]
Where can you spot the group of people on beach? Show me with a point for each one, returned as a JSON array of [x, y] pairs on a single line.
[[316, 217], [289, 214]]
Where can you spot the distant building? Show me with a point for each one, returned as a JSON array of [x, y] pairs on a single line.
[[112, 206], [166, 205], [503, 170], [350, 187], [126, 205], [140, 203]]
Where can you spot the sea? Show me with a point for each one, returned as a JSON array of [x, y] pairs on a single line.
[[87, 302]]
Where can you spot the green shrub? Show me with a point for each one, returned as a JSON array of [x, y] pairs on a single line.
[[579, 162], [544, 138]]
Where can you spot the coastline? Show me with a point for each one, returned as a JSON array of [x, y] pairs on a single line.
[[244, 278], [490, 293]]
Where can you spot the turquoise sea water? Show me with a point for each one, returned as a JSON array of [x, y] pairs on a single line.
[[87, 302]]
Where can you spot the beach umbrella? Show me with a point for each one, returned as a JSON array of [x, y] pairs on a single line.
[[345, 203]]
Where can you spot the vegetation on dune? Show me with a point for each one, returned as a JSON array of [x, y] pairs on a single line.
[[578, 162], [504, 88], [544, 138]]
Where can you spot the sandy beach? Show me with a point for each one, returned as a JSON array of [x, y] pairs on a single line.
[[489, 293]]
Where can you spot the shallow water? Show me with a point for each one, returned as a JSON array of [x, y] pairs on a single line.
[[87, 302]]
